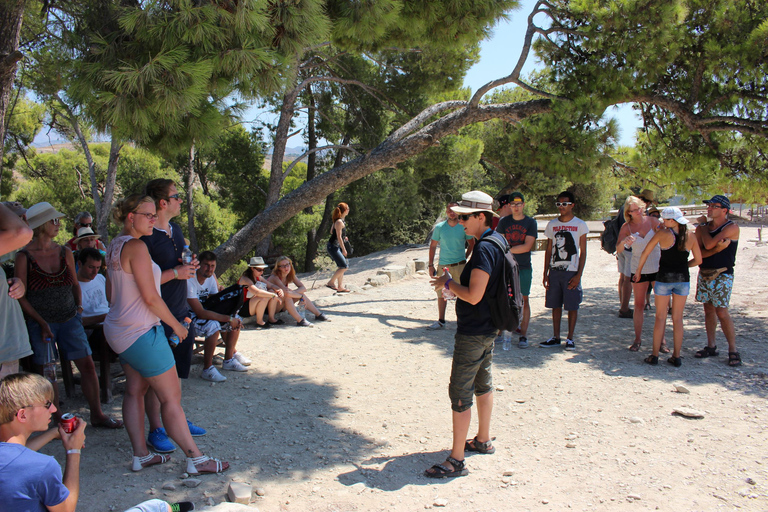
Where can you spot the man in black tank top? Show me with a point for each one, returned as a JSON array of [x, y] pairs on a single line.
[[718, 240]]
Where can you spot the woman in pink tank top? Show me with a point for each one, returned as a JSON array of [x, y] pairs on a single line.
[[133, 330]]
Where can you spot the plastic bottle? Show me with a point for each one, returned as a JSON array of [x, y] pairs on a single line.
[[448, 294], [49, 367], [186, 256], [506, 340], [174, 340]]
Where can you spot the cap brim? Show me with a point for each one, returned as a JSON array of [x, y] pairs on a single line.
[[465, 210]]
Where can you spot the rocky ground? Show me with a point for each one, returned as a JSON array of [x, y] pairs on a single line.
[[346, 416]]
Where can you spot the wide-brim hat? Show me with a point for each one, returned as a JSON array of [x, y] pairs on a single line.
[[83, 233], [475, 201], [674, 213], [647, 196], [40, 213], [258, 262]]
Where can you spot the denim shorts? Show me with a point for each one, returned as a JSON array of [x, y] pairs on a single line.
[[69, 339], [558, 295], [470, 370], [150, 354], [666, 289], [334, 251]]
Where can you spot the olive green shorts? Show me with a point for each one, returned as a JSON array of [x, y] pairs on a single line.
[[471, 369]]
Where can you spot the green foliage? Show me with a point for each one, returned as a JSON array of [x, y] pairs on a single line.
[[23, 122], [213, 224]]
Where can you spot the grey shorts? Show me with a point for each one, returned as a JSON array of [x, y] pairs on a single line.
[[471, 369], [624, 263], [558, 294]]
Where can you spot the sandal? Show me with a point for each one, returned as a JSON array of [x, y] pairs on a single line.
[[626, 314], [734, 359], [663, 349], [152, 459], [441, 471], [194, 465], [677, 362], [634, 347], [331, 287], [652, 360], [265, 325], [279, 321], [109, 423], [473, 445], [706, 352]]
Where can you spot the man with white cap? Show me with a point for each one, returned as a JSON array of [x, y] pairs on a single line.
[[718, 240], [475, 334]]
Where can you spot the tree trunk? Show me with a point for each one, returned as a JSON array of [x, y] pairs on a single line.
[[311, 248], [103, 212], [189, 182], [11, 15]]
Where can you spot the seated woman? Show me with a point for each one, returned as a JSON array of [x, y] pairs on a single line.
[[261, 295], [282, 276]]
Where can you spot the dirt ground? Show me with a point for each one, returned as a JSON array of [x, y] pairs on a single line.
[[346, 416]]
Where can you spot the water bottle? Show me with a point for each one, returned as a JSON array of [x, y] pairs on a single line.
[[301, 306], [186, 256], [506, 340], [49, 367], [174, 340], [448, 294]]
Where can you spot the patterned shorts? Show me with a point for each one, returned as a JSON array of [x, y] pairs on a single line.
[[717, 291]]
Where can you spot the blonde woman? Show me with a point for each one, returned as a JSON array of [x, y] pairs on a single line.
[[260, 295], [337, 249], [132, 328], [284, 275]]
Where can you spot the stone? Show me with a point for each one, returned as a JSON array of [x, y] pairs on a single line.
[[239, 492], [192, 482], [259, 491], [634, 496], [637, 419], [420, 265], [169, 487], [570, 445], [394, 272], [509, 472], [688, 412], [681, 389], [379, 280], [440, 502], [231, 507]]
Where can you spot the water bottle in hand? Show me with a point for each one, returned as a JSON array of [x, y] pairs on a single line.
[[186, 256], [448, 294], [174, 340]]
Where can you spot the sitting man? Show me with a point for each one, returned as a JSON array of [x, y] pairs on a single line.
[[210, 323]]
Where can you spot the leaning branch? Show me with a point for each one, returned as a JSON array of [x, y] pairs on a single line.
[[314, 150]]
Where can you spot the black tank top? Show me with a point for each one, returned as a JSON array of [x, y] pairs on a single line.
[[725, 258], [673, 265], [335, 241]]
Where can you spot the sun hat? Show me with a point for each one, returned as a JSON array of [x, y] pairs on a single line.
[[475, 201], [721, 200], [651, 210], [85, 233], [647, 196], [674, 213], [40, 213], [258, 262]]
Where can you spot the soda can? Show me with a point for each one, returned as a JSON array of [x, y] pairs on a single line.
[[68, 422]]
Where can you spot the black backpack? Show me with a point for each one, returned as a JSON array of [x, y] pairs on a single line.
[[503, 296], [610, 235], [227, 302]]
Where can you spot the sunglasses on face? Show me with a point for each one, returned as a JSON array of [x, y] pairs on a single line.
[[715, 206], [55, 222], [85, 224], [286, 265], [47, 405], [175, 196], [566, 203], [149, 216], [466, 217], [257, 269]]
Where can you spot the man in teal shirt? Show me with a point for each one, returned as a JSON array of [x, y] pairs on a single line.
[[451, 237]]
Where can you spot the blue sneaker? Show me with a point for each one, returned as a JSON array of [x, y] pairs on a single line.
[[159, 441], [195, 430]]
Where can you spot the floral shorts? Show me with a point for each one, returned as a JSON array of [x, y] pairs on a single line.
[[716, 292]]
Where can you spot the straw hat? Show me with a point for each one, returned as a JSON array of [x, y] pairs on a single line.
[[40, 213], [85, 233], [258, 262]]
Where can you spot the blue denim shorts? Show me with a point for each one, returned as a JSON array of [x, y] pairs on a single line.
[[69, 338], [150, 354], [334, 251], [672, 288]]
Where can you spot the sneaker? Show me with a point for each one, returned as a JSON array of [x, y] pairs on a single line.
[[233, 365], [242, 359], [159, 441], [182, 506], [551, 342], [196, 431], [522, 342], [437, 325], [322, 318], [305, 323], [212, 374], [569, 344]]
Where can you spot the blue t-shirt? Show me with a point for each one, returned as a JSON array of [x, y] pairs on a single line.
[[166, 251], [476, 319], [451, 240], [29, 481], [515, 232]]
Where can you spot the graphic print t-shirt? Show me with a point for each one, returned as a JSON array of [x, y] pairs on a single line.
[[565, 243], [515, 232]]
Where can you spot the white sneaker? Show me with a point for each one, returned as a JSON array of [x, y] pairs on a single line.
[[212, 374], [242, 359], [437, 325], [233, 365]]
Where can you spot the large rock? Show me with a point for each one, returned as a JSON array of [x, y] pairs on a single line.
[[394, 272], [420, 265], [379, 280], [239, 492]]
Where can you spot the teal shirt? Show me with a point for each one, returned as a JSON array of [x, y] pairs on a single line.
[[451, 240]]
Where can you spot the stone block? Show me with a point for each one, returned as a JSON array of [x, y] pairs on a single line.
[[378, 280], [420, 265], [239, 492], [394, 272]]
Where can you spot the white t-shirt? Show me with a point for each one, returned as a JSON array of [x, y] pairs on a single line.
[[94, 294], [565, 243], [198, 291]]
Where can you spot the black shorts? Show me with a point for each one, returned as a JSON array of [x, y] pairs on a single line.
[[645, 278]]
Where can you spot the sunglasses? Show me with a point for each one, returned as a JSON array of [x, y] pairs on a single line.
[[257, 269], [566, 203], [84, 224], [715, 206], [149, 216], [55, 222], [175, 196], [286, 265], [47, 405]]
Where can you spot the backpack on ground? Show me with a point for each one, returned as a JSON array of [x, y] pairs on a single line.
[[503, 296]]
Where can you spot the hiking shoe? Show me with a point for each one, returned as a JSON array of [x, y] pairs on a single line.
[[212, 374], [233, 365], [522, 342], [437, 325], [569, 344], [551, 342], [242, 359], [196, 431], [305, 323], [159, 441]]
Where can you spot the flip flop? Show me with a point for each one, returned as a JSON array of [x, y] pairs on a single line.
[[343, 290], [109, 423], [331, 287], [634, 347]]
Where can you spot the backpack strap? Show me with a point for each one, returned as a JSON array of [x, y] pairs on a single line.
[[499, 241]]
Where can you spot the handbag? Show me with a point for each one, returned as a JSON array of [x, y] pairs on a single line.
[[348, 247]]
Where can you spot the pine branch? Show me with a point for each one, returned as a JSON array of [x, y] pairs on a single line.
[[314, 150]]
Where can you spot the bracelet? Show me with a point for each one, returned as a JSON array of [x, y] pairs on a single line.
[[447, 283], [175, 273], [74, 450]]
